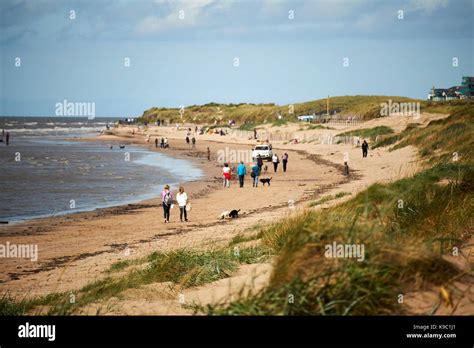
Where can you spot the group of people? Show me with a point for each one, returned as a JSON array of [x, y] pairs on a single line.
[[365, 151], [193, 140], [241, 172], [276, 161], [255, 170], [220, 132], [163, 142], [168, 203]]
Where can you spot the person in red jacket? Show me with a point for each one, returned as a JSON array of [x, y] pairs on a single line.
[[226, 175]]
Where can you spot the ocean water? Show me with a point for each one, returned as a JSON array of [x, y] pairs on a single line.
[[44, 172]]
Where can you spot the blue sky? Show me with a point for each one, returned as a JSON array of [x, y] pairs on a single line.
[[184, 61]]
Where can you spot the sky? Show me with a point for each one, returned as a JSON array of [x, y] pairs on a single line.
[[126, 56]]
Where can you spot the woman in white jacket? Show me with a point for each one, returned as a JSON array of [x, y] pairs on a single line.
[[275, 161], [182, 199]]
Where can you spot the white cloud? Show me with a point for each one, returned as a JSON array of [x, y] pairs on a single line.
[[335, 9], [193, 13], [427, 6]]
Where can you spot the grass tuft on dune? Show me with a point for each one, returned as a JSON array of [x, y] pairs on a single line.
[[183, 268]]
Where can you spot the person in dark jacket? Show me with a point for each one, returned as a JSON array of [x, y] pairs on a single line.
[[365, 148], [346, 169], [167, 201], [284, 159], [259, 162]]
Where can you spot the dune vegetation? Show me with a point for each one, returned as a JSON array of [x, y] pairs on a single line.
[[251, 115], [409, 228], [183, 268]]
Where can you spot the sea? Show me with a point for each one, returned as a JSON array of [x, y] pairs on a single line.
[[46, 171]]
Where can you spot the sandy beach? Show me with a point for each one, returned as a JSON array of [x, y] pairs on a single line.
[[77, 249]]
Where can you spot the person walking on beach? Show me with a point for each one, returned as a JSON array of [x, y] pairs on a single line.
[[275, 161], [208, 154], [226, 175], [182, 199], [255, 174], [259, 162], [193, 140], [284, 159], [365, 148], [346, 169], [241, 171], [162, 142], [166, 143], [167, 200], [187, 140], [156, 142], [8, 138]]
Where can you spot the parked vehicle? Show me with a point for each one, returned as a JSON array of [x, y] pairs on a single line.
[[265, 152]]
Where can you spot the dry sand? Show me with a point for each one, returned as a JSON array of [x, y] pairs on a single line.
[[77, 249]]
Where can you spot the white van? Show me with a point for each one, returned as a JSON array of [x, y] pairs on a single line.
[[265, 151]]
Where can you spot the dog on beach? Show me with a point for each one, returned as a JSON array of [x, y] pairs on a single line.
[[266, 181], [234, 214], [265, 169]]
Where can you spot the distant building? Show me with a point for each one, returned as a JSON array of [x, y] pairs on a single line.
[[442, 94], [465, 91], [467, 87]]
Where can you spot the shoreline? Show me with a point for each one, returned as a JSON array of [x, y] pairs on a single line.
[[142, 198], [114, 209]]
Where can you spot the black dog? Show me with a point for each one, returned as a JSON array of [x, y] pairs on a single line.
[[265, 181], [234, 214]]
